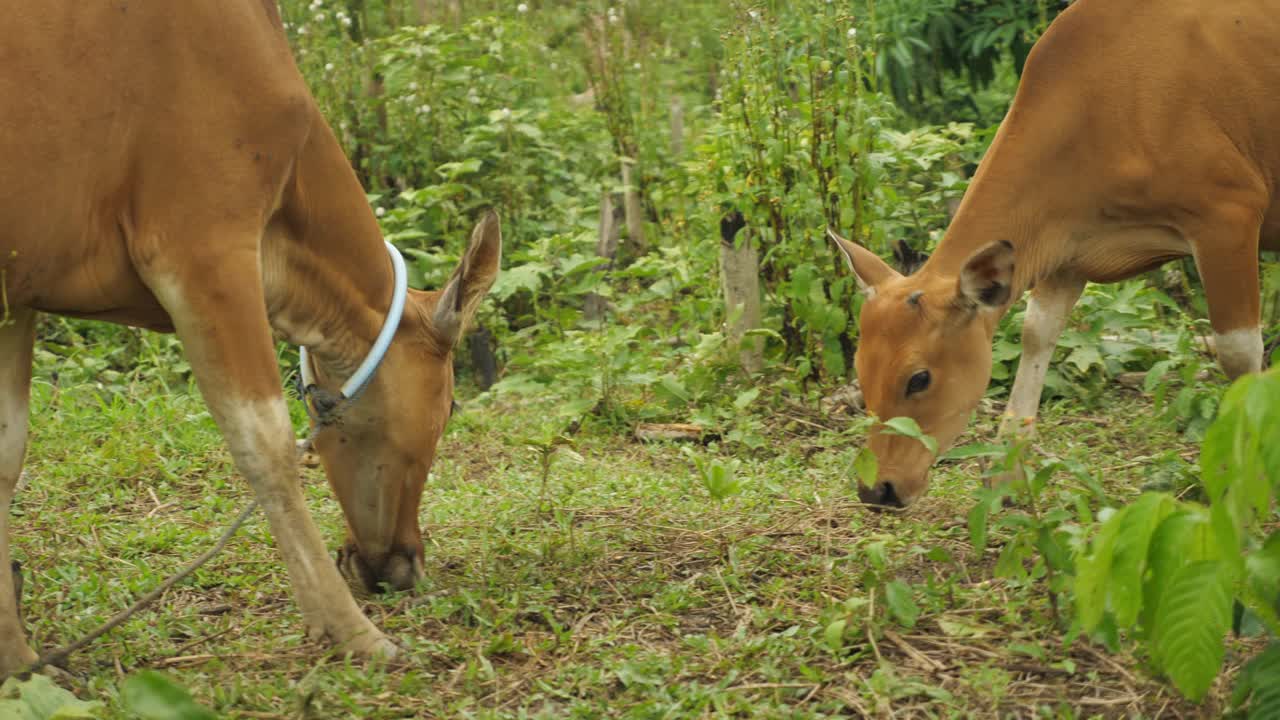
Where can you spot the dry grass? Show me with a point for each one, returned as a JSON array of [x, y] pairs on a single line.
[[631, 594]]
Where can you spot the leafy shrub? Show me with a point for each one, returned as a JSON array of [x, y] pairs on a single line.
[[1168, 571]]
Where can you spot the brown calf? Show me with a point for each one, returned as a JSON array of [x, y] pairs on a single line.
[[1141, 132], [169, 169]]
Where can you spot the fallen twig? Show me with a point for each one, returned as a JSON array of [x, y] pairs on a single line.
[[57, 656]]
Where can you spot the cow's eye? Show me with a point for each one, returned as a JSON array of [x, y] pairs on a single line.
[[918, 383]]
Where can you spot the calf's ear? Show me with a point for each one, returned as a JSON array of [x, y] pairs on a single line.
[[470, 281]]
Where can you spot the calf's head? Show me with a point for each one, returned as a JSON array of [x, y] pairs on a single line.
[[379, 450], [924, 352]]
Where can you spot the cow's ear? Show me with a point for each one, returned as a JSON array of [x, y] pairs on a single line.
[[986, 281], [867, 267]]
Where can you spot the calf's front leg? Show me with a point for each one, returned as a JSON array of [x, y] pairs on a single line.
[[214, 295]]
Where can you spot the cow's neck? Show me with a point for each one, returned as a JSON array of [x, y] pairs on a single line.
[[1008, 199], [329, 279]]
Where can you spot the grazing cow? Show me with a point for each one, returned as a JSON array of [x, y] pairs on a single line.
[[165, 166], [1141, 132]]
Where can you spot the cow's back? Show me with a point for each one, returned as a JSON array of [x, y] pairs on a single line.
[[1173, 97], [115, 116]]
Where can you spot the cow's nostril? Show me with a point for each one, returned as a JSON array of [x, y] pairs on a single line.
[[881, 494], [889, 497]]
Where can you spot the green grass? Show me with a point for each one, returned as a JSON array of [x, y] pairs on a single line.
[[624, 592]]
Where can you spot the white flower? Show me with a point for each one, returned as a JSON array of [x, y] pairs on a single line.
[[505, 113], [554, 66], [413, 86], [424, 109], [853, 32], [753, 14], [302, 30], [319, 17], [328, 67], [636, 66], [522, 8], [346, 21], [380, 212], [317, 5]]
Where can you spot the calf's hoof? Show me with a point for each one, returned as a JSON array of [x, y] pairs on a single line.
[[375, 646]]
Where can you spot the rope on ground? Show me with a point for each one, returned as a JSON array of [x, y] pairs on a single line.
[[59, 655]]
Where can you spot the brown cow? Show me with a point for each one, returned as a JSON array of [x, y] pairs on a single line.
[[1141, 132], [167, 167]]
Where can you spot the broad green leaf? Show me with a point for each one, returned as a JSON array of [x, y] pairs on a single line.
[[978, 526], [1129, 561], [153, 696], [522, 277], [38, 698], [746, 397], [866, 467], [1261, 592], [834, 634], [897, 595], [979, 516], [957, 627], [1182, 538], [674, 388], [1053, 546], [1258, 684], [973, 450], [833, 359], [1155, 374], [1190, 624], [1085, 357], [1010, 562], [908, 426], [1092, 571]]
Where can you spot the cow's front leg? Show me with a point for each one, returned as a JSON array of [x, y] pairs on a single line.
[[214, 295], [17, 336], [1048, 309]]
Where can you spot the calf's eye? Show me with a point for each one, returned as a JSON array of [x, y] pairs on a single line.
[[918, 382]]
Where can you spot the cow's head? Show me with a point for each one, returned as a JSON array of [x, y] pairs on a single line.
[[924, 352], [377, 454]]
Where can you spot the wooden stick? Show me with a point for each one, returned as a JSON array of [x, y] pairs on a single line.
[[53, 657]]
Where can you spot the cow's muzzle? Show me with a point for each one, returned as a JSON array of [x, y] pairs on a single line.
[[399, 569]]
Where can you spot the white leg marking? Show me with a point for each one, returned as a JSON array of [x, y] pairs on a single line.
[[258, 432], [1239, 351], [1047, 314], [261, 440]]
